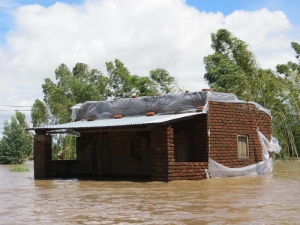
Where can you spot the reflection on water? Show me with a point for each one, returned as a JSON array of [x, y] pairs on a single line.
[[267, 199]]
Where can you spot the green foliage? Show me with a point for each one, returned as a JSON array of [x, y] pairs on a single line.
[[64, 147], [164, 83], [39, 113], [17, 143], [144, 86], [18, 168], [296, 47], [233, 68], [82, 84], [158, 82], [291, 98], [119, 84], [70, 88]]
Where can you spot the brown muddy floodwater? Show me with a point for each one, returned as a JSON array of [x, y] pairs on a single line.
[[267, 199]]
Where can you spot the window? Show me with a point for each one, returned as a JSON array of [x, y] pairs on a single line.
[[243, 146], [136, 147], [180, 149], [140, 142]]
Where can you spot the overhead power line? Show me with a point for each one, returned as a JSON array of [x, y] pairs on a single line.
[[16, 106], [19, 106], [9, 110]]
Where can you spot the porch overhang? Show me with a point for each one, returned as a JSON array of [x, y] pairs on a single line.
[[125, 123]]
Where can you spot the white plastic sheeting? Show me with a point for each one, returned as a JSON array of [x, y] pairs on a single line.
[[218, 170], [75, 109], [268, 146], [225, 97], [266, 166], [170, 103]]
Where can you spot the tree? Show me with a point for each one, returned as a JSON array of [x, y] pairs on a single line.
[[122, 84], [164, 82], [159, 81], [17, 143], [119, 84], [144, 86], [296, 47], [39, 113], [291, 96], [82, 84], [64, 147], [232, 67], [71, 88]]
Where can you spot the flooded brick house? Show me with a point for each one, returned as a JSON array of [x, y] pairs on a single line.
[[186, 136]]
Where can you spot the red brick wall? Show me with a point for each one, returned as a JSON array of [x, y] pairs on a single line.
[[42, 156], [226, 121], [123, 163], [162, 151], [187, 170], [195, 131]]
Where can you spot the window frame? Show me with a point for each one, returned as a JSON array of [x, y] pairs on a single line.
[[180, 154], [247, 147]]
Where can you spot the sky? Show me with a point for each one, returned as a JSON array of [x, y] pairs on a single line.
[[37, 36]]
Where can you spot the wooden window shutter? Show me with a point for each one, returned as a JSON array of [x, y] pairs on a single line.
[[243, 148], [180, 148]]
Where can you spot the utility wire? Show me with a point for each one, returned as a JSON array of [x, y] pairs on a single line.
[[9, 110], [19, 106], [15, 106]]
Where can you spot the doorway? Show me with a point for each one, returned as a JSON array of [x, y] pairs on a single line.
[[101, 157]]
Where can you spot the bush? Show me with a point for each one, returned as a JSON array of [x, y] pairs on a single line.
[[17, 143]]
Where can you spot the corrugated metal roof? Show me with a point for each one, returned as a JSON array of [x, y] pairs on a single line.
[[125, 121]]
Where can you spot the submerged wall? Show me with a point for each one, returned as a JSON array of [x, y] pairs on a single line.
[[113, 155], [64, 168], [156, 159]]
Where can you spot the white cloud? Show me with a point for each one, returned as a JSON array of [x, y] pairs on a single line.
[[143, 34], [7, 4]]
